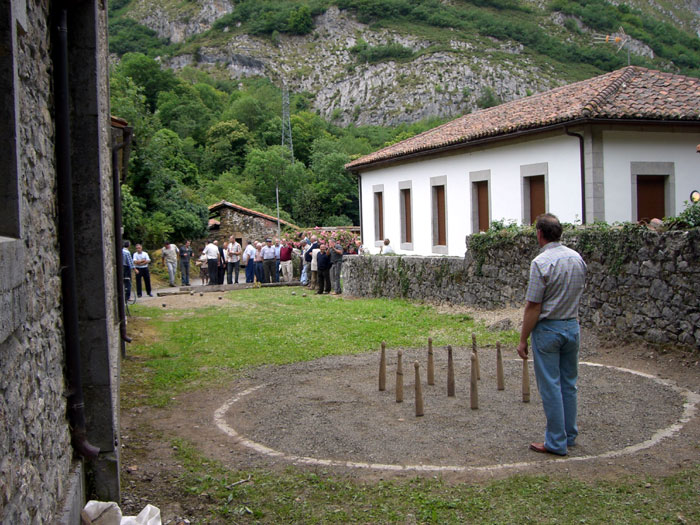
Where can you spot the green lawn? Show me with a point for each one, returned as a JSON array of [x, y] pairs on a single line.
[[194, 348], [297, 496], [184, 349]]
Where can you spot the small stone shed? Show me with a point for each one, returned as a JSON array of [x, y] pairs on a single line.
[[243, 223]]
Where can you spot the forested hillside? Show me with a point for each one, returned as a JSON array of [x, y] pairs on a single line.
[[200, 80], [200, 139]]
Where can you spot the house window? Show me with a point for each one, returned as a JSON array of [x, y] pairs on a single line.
[[481, 209], [533, 180], [378, 214], [653, 187], [13, 291], [406, 215], [438, 189]]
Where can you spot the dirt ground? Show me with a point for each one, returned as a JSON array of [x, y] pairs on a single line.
[[329, 415]]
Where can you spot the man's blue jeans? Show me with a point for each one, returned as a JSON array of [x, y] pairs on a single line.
[[555, 345]]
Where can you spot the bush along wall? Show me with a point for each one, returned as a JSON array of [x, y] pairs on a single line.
[[641, 284]]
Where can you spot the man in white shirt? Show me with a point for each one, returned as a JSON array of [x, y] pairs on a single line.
[[268, 256], [233, 260], [387, 249], [169, 256], [212, 252], [249, 261], [141, 262]]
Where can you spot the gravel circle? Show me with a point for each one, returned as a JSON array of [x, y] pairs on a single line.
[[331, 409]]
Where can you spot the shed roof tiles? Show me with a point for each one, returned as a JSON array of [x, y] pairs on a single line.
[[628, 94]]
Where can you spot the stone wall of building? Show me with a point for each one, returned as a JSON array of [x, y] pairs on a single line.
[[640, 285], [40, 481], [35, 451], [244, 226]]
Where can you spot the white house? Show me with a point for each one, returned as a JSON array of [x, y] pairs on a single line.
[[617, 147]]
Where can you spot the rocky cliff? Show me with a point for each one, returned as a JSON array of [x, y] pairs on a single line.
[[444, 79]]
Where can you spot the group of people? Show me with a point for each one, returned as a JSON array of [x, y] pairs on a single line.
[[217, 263], [322, 263], [140, 262]]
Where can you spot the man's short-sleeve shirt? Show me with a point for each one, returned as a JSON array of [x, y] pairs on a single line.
[[557, 277]]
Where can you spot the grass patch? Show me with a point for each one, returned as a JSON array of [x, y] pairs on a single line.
[[184, 349], [298, 496]]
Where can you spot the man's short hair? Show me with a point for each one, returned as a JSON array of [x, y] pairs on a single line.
[[550, 227], [126, 244], [386, 242]]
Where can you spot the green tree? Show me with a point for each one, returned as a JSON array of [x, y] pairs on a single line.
[[251, 112], [132, 214], [270, 168], [333, 186], [147, 73], [127, 101], [306, 128], [488, 98], [165, 182], [226, 146], [300, 21], [182, 110]]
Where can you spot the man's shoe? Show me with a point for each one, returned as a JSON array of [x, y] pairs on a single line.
[[139, 295], [539, 447], [150, 295]]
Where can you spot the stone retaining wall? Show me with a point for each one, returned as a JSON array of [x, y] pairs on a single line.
[[640, 284]]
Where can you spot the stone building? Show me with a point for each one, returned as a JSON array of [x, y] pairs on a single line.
[[59, 327], [243, 223]]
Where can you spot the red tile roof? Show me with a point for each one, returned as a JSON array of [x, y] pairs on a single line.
[[248, 211], [628, 94]]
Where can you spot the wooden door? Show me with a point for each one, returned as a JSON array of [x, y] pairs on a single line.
[[537, 201], [651, 197], [482, 204], [441, 219], [406, 194]]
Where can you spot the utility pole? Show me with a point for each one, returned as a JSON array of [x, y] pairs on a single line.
[[286, 142]]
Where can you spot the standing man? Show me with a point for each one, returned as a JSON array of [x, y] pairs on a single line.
[[185, 257], [305, 264], [249, 261], [259, 270], [336, 253], [278, 247], [128, 264], [323, 262], [557, 277], [221, 269], [311, 258], [141, 262], [233, 260], [212, 253], [169, 259], [286, 262], [268, 257]]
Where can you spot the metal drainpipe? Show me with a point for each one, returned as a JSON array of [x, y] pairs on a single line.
[[583, 172], [76, 406], [359, 185], [117, 201]]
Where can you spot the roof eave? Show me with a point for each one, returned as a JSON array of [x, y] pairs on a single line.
[[511, 135]]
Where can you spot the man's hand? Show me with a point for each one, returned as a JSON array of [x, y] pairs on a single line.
[[522, 350]]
